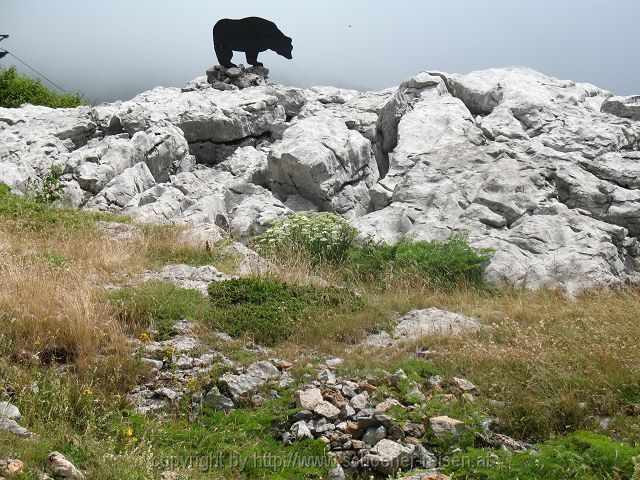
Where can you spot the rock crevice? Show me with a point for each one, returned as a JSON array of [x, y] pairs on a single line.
[[544, 171]]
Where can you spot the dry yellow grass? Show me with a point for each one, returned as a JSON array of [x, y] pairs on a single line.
[[543, 355], [552, 363], [51, 299]]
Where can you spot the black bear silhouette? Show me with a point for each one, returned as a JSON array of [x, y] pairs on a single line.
[[251, 35]]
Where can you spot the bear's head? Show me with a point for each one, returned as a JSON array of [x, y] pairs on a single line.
[[284, 47]]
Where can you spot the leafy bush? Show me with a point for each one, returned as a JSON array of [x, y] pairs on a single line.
[[446, 263], [272, 310], [51, 190], [581, 455], [16, 89], [319, 236]]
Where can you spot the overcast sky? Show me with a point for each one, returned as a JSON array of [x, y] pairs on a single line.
[[114, 49]]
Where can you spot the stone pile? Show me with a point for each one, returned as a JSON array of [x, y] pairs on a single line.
[[237, 78], [241, 388], [358, 428], [176, 364], [180, 365]]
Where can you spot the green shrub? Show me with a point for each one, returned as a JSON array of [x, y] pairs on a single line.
[[51, 190], [447, 263], [322, 237], [370, 261], [272, 310], [16, 89], [581, 456]]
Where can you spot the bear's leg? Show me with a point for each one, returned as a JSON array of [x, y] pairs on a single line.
[[225, 54], [252, 58]]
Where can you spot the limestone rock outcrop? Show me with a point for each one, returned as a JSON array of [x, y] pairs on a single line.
[[544, 171]]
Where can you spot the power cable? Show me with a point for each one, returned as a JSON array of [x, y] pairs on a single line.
[[5, 51]]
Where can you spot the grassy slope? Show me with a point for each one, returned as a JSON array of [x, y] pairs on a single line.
[[542, 357]]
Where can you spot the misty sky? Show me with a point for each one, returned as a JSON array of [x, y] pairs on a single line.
[[113, 50]]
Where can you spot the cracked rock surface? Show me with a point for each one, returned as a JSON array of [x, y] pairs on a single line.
[[543, 171]]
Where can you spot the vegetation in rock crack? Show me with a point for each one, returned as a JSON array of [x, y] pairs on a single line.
[[51, 190], [321, 237], [16, 89], [163, 248], [328, 238], [271, 310]]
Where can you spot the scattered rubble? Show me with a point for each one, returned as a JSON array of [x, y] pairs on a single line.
[[176, 365], [237, 78], [355, 420]]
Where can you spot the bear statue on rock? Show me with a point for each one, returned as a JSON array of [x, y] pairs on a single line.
[[251, 35]]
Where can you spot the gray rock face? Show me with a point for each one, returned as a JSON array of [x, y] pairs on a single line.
[[122, 188], [543, 171], [625, 107], [257, 374], [525, 163], [418, 323], [323, 161], [10, 411], [186, 276], [204, 116]]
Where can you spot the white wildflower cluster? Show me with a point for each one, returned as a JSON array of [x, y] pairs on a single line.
[[321, 236]]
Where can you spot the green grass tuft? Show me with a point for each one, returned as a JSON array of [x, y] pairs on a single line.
[[160, 304], [580, 456], [447, 264], [24, 213]]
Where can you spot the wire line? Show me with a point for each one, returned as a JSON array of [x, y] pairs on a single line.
[[37, 72]]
